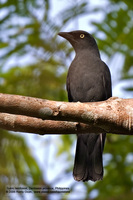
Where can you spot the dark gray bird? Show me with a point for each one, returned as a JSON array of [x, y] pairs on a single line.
[[88, 80]]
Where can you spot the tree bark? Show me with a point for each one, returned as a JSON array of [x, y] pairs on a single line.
[[38, 126], [20, 113]]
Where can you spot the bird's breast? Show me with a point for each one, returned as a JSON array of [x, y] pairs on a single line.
[[85, 82]]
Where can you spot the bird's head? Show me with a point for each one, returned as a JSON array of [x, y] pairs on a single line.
[[79, 39]]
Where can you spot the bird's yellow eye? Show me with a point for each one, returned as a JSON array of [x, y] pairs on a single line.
[[82, 35]]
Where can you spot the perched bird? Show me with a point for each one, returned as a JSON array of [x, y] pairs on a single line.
[[88, 80]]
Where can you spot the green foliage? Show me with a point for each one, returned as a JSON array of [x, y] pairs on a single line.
[[27, 30], [27, 81], [34, 63], [17, 165], [33, 34], [118, 180], [117, 28]]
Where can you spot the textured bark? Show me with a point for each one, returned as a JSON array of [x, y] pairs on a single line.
[[34, 125], [114, 115]]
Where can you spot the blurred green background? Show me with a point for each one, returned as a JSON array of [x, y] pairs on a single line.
[[34, 62]]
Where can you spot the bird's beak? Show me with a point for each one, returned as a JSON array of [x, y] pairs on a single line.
[[66, 35]]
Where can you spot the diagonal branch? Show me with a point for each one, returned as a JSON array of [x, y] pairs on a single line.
[[114, 115]]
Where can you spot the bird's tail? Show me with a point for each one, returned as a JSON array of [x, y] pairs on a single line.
[[88, 163]]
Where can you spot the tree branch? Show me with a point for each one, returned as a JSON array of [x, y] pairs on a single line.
[[34, 125], [114, 115]]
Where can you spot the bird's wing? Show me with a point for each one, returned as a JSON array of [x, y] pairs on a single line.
[[107, 82]]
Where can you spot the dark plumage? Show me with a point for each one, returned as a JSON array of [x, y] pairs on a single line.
[[88, 80]]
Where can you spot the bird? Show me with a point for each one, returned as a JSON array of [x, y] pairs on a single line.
[[88, 80]]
